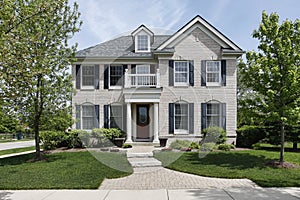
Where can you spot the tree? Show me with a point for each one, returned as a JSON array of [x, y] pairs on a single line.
[[272, 75], [35, 58]]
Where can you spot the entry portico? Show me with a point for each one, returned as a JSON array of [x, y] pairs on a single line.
[[142, 105]]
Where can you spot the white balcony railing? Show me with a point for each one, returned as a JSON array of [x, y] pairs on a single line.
[[142, 80]]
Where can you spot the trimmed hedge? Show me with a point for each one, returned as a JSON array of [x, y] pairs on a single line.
[[214, 135], [249, 135]]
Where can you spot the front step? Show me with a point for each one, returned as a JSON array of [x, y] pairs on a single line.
[[144, 162], [140, 155], [143, 144]]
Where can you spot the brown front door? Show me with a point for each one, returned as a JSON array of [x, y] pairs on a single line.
[[142, 122]]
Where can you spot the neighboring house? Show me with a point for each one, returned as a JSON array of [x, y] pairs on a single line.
[[159, 85]]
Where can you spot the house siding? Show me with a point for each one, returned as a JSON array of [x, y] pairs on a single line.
[[195, 46]]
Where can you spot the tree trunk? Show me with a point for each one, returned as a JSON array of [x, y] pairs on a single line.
[[295, 145], [37, 139], [281, 160]]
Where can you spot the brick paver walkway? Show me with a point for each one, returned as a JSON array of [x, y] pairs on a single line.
[[150, 178]]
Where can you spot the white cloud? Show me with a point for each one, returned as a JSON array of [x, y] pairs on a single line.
[[105, 19]]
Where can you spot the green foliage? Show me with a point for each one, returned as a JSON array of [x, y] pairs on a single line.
[[207, 146], [35, 57], [57, 139], [225, 147], [194, 145], [256, 146], [57, 120], [178, 144], [271, 76], [214, 135], [125, 146], [249, 135]]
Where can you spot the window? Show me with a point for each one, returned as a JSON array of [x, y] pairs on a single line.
[[181, 72], [213, 73], [116, 73], [142, 43], [181, 118], [88, 117], [116, 116], [213, 114], [88, 76], [143, 69]]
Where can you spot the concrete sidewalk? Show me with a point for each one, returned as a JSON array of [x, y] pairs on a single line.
[[162, 194]]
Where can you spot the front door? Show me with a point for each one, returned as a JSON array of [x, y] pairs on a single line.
[[142, 123]]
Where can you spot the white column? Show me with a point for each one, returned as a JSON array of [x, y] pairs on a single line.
[[129, 134], [155, 129], [157, 78], [126, 79]]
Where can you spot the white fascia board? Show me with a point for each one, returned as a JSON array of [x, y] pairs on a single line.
[[215, 34]]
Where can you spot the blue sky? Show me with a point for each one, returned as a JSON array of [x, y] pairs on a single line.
[[107, 19]]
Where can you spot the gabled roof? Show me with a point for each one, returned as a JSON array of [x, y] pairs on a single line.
[[144, 28], [120, 47], [198, 21]]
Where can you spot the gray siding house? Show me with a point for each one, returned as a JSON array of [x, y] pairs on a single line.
[[153, 86]]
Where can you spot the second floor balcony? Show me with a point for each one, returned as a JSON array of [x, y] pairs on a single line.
[[142, 79]]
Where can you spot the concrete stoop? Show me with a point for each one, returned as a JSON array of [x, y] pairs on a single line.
[[145, 159]]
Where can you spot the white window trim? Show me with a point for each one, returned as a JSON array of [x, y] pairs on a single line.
[[220, 80], [122, 114], [188, 74], [182, 131], [210, 115], [136, 44], [114, 87], [91, 87], [81, 120]]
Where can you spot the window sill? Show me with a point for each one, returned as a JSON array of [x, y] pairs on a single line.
[[181, 132], [87, 88], [213, 84], [115, 87]]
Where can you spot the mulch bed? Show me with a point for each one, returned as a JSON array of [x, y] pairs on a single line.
[[285, 165]]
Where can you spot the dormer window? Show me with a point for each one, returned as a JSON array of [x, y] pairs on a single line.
[[142, 38], [143, 43]]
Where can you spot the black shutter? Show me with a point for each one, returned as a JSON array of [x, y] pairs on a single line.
[[191, 118], [203, 73], [106, 116], [203, 116], [124, 128], [171, 118], [78, 116], [223, 72], [123, 76], [191, 72], [106, 76], [97, 77], [223, 115], [78, 77], [171, 72], [97, 118], [133, 69], [152, 69]]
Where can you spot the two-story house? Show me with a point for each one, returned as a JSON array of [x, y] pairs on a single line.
[[159, 85]]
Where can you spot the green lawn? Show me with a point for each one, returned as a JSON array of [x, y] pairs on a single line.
[[67, 170], [237, 164], [17, 150]]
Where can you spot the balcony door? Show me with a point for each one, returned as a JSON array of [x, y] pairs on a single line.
[[142, 122], [143, 72]]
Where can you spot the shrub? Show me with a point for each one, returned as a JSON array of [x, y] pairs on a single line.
[[207, 146], [57, 139], [225, 147], [214, 135], [52, 139], [249, 135], [105, 137], [178, 144], [194, 145], [256, 146]]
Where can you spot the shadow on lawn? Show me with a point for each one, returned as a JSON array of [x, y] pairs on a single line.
[[230, 160], [28, 158]]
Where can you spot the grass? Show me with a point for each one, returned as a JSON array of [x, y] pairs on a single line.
[[67, 170], [17, 150], [237, 164]]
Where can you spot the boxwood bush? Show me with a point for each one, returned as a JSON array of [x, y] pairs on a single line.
[[214, 135], [249, 135]]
